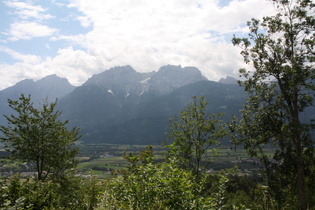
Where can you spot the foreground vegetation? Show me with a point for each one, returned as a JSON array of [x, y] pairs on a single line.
[[269, 128], [126, 178], [143, 184], [137, 177]]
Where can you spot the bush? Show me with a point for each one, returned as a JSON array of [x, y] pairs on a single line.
[[69, 193], [161, 186]]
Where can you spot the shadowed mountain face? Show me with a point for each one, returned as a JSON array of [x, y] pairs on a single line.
[[112, 95], [148, 121], [50, 88], [121, 105], [126, 80], [228, 80], [168, 78]]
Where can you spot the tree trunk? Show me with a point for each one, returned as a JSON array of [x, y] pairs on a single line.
[[301, 175], [297, 132]]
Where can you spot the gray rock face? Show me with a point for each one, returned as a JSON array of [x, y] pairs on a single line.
[[228, 80], [118, 105], [121, 80], [127, 81], [111, 96], [169, 77], [50, 88]]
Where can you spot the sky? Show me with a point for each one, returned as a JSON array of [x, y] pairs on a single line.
[[75, 39]]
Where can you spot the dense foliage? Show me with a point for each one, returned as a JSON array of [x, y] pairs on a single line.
[[39, 138], [195, 135], [145, 184], [281, 88], [70, 193], [157, 186]]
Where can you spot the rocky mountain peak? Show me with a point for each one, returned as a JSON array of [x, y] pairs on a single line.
[[50, 87], [125, 79], [228, 80], [170, 77], [117, 79]]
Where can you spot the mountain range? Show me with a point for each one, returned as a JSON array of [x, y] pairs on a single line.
[[121, 105], [46, 89]]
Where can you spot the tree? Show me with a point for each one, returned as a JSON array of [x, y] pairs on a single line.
[[163, 185], [194, 134], [74, 193], [38, 137], [281, 87], [143, 158]]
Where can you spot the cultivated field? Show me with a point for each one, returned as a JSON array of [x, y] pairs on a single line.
[[102, 159]]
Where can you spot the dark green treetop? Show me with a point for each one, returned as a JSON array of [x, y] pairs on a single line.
[[195, 135], [281, 86], [37, 136]]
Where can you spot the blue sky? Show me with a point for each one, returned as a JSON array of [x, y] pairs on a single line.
[[78, 38]]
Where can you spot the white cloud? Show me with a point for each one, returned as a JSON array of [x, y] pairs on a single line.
[[26, 10], [28, 21], [147, 34], [59, 4], [85, 22], [27, 30], [76, 65], [143, 34], [30, 59], [11, 74]]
